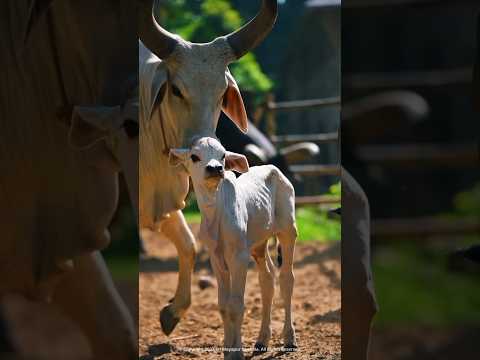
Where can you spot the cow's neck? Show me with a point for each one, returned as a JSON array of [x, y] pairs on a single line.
[[171, 135], [176, 136]]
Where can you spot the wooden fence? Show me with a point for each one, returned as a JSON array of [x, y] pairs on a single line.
[[270, 109], [409, 155]]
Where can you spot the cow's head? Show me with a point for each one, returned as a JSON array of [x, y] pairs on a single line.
[[196, 83]]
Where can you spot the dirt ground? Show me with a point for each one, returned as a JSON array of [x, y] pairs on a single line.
[[316, 306]]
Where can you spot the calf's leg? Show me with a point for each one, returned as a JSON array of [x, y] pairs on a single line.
[[223, 283], [177, 230], [287, 241], [266, 280], [238, 266]]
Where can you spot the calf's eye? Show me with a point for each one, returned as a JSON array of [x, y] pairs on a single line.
[[194, 158]]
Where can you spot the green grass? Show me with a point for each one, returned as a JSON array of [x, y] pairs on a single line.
[[415, 287], [315, 225]]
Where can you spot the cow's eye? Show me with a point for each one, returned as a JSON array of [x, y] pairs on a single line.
[[176, 91], [194, 158]]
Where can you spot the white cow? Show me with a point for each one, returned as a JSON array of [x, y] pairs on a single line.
[[238, 218], [183, 88]]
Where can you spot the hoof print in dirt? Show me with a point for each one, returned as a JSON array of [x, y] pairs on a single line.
[[259, 349], [205, 282], [168, 320]]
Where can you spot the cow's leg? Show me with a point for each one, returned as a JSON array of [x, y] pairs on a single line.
[[238, 266], [177, 230], [88, 296], [287, 240], [266, 280]]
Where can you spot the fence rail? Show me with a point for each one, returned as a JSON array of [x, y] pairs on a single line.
[[316, 170], [399, 80], [317, 200], [323, 138], [270, 110], [456, 155], [303, 104], [424, 227]]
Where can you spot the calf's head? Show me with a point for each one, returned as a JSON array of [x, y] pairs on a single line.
[[196, 82], [207, 161]]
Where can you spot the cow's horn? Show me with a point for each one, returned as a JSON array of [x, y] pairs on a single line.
[[250, 35], [158, 40]]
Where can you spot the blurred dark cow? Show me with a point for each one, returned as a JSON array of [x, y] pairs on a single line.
[[259, 150]]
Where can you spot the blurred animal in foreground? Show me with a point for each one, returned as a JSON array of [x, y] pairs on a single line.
[[33, 330], [67, 109], [239, 215]]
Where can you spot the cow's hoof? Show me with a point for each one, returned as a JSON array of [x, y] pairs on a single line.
[[259, 348], [168, 320]]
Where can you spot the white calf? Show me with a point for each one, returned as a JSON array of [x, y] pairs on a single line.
[[239, 215]]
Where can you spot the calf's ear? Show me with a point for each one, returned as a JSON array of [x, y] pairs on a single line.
[[237, 162], [178, 156], [233, 105]]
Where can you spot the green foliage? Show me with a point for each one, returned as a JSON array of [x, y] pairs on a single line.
[[204, 21], [468, 202], [336, 189]]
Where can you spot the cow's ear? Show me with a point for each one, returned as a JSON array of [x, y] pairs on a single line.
[[153, 79], [90, 125], [237, 162], [178, 156], [233, 105]]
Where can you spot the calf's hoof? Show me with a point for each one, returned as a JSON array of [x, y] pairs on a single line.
[[168, 320], [259, 348]]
